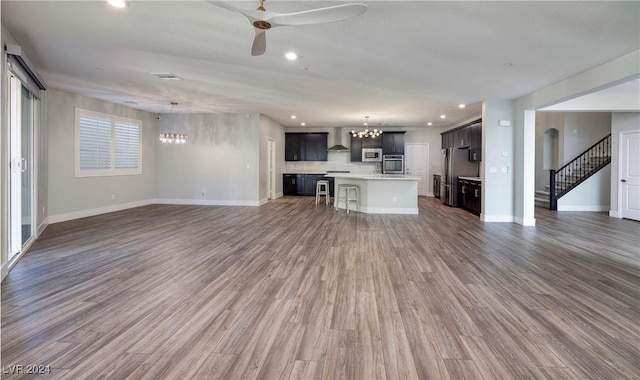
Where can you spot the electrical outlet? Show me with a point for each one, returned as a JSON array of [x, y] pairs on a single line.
[[203, 193], [395, 199], [113, 196]]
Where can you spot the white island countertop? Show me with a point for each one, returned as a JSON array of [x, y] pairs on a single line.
[[396, 177], [381, 193], [476, 179]]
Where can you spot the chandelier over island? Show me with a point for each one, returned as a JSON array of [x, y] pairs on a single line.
[[366, 132]]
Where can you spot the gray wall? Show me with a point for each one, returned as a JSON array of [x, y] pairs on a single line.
[[220, 159], [497, 167], [620, 122], [583, 129], [70, 197], [269, 129], [577, 132]]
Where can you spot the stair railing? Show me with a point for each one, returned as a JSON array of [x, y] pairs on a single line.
[[576, 171]]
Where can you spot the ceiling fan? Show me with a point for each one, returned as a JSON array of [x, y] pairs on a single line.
[[263, 20]]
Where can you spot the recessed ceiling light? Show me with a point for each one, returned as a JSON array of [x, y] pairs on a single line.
[[429, 123], [291, 56], [461, 105], [443, 116], [293, 116], [508, 64], [118, 3], [303, 124]]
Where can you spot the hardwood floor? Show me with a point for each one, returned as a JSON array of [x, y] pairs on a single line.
[[291, 290]]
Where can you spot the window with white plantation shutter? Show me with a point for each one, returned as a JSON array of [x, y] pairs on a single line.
[[107, 144]]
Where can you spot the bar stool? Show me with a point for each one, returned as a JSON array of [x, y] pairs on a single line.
[[351, 194], [322, 188]]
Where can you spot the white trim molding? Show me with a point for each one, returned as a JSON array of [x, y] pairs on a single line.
[[526, 222], [496, 218], [97, 211], [583, 208], [615, 214], [4, 271], [43, 226], [205, 202]]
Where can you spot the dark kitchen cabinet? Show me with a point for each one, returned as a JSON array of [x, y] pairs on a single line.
[[470, 195], [475, 142], [359, 143], [466, 136], [294, 147], [310, 181], [293, 184], [356, 149], [436, 185], [305, 146], [303, 184], [316, 147], [393, 143]]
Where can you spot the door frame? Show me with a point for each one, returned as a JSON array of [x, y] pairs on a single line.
[[271, 169], [15, 247], [621, 164]]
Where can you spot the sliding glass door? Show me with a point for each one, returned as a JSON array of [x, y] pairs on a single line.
[[21, 154]]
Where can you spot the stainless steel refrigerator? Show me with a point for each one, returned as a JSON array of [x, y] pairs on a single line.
[[455, 163]]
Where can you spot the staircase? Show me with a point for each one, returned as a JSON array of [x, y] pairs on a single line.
[[578, 170]]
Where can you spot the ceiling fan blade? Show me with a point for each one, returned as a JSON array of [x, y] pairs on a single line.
[[250, 14], [259, 43], [320, 15]]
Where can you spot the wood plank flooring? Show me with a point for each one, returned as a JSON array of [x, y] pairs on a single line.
[[291, 290]]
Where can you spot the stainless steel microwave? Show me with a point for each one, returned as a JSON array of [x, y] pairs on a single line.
[[372, 155]]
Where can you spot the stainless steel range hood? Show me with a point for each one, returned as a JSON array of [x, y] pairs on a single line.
[[337, 142]]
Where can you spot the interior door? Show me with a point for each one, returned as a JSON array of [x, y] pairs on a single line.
[[630, 176], [417, 165]]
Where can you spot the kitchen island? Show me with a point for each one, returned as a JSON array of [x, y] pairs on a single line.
[[382, 193]]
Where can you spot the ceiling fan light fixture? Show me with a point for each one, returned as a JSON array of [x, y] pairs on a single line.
[[118, 3]]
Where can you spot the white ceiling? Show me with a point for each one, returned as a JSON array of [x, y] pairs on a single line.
[[402, 63]]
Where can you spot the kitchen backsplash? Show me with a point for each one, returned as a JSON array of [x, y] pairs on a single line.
[[335, 161]]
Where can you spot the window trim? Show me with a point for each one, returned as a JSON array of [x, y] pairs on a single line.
[[112, 171]]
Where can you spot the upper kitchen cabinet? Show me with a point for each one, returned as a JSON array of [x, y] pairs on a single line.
[[466, 136], [316, 147], [393, 143], [359, 143], [305, 146], [475, 142]]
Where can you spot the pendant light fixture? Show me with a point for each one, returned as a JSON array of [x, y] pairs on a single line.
[[366, 132], [173, 137]]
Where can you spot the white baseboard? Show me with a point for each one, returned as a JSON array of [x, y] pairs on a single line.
[[4, 271], [279, 195], [42, 226], [614, 214], [263, 201], [97, 211], [205, 202], [496, 218], [528, 222], [582, 208]]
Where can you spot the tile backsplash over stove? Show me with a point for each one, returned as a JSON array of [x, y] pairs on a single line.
[[335, 161]]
